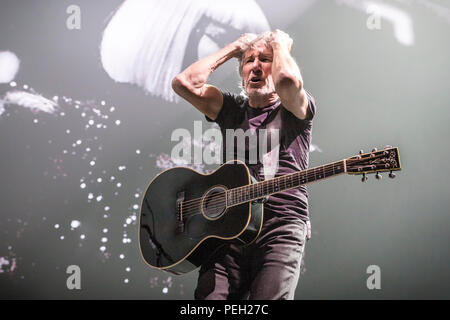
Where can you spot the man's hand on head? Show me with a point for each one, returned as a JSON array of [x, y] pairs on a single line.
[[281, 38], [243, 43]]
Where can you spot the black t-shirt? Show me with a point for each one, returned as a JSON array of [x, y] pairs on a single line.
[[290, 147]]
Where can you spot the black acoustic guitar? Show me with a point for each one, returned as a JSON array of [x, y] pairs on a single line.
[[185, 215]]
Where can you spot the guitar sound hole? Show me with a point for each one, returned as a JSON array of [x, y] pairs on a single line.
[[214, 203]]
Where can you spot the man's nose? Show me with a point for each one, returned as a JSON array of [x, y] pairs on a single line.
[[256, 66], [256, 63]]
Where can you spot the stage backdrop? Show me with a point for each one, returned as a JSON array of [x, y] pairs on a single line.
[[87, 116]]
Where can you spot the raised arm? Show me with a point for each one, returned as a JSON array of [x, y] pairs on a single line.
[[286, 76], [191, 83]]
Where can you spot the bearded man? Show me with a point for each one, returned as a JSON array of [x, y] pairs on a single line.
[[274, 98]]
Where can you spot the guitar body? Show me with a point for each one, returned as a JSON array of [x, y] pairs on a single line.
[[184, 216]]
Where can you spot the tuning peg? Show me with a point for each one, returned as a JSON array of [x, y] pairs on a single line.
[[364, 178], [391, 175], [374, 150], [378, 176], [361, 151]]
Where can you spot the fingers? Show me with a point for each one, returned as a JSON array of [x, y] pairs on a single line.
[[282, 38], [248, 37]]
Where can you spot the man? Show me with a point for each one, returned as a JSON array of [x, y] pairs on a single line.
[[269, 268]]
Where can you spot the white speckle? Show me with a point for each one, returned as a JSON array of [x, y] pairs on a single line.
[[103, 103], [127, 269], [75, 224], [56, 226], [78, 142], [118, 122], [99, 180], [35, 120], [165, 290], [67, 131], [121, 256], [112, 109], [82, 237], [62, 237], [128, 221], [13, 84], [91, 122], [83, 185], [104, 240], [126, 280], [9, 66], [102, 248], [135, 207], [136, 195], [138, 151], [107, 208], [118, 184], [133, 218], [112, 178], [90, 196], [99, 198], [92, 163], [122, 168], [83, 114], [105, 230]]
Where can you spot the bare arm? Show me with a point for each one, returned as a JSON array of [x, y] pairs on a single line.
[[191, 83], [287, 78]]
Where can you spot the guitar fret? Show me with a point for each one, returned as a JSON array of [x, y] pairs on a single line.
[[263, 188]]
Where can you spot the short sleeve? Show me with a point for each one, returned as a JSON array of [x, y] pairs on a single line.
[[311, 105], [230, 111]]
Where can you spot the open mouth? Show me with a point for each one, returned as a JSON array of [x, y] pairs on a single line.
[[255, 80]]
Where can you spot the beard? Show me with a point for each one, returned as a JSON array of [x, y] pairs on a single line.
[[267, 90]]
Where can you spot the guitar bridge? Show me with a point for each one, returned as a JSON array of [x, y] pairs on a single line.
[[180, 224]]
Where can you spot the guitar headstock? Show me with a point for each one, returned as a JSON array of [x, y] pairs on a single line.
[[387, 159]]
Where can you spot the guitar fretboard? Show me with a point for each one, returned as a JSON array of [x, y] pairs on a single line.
[[262, 189]]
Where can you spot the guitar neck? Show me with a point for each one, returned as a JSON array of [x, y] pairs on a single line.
[[265, 188]]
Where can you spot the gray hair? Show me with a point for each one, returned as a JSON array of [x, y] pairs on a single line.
[[263, 37]]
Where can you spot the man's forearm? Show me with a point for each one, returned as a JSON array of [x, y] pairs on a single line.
[[288, 81], [284, 67], [196, 75]]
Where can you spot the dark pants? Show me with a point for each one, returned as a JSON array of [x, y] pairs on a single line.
[[268, 269]]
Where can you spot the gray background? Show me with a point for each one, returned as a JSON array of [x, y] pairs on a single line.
[[370, 89]]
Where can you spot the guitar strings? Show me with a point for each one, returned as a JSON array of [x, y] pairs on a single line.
[[267, 181], [308, 175], [218, 200]]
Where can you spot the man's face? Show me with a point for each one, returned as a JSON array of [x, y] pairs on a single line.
[[257, 70]]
